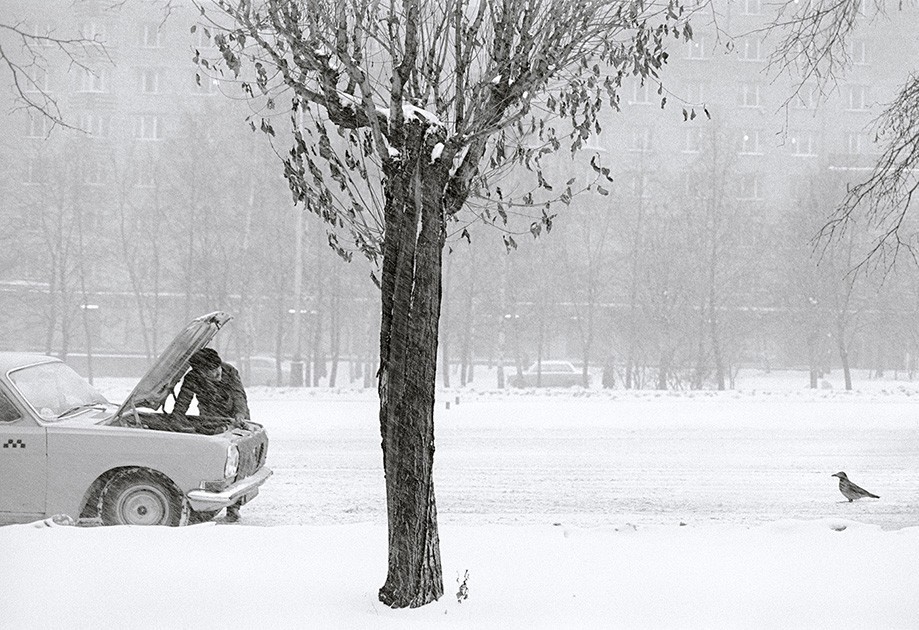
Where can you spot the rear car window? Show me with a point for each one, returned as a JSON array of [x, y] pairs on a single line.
[[8, 411]]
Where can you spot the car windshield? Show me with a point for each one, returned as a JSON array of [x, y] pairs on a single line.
[[53, 389]]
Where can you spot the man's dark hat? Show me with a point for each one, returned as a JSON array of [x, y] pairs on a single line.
[[205, 359]]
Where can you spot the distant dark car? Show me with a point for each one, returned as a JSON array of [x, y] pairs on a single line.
[[551, 374]]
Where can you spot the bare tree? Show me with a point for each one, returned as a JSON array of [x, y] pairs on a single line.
[[814, 44], [28, 56], [398, 112], [591, 224]]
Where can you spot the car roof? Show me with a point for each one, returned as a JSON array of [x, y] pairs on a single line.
[[546, 365], [12, 360]]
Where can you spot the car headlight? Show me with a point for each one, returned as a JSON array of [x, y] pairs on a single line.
[[232, 461]]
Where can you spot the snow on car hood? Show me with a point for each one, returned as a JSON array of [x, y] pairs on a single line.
[[151, 391]]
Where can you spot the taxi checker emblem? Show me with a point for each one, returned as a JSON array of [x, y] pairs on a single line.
[[11, 444]]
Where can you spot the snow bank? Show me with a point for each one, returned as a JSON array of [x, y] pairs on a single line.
[[790, 574]]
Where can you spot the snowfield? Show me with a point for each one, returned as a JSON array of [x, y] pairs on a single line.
[[568, 509]]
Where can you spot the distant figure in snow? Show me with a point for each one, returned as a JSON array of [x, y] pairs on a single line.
[[850, 490]]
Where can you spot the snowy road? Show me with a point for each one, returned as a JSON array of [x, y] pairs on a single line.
[[508, 467], [638, 458]]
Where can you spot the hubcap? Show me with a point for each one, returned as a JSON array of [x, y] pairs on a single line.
[[143, 505]]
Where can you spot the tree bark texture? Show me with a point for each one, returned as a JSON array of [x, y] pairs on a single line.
[[411, 300]]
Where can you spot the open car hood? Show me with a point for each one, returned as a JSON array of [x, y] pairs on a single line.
[[152, 390]]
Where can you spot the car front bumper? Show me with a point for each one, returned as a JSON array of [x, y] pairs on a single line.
[[245, 489]]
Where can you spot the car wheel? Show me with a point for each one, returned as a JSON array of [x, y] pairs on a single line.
[[142, 497]]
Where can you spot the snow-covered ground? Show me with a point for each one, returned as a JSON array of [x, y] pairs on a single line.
[[577, 509]]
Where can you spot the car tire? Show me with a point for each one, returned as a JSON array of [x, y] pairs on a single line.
[[142, 497]]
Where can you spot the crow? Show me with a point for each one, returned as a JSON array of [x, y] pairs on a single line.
[[850, 490]]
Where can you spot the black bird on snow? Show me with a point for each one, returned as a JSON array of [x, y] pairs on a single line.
[[850, 490]]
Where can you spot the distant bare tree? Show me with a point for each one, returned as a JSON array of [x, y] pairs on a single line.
[[814, 44], [588, 270], [29, 55]]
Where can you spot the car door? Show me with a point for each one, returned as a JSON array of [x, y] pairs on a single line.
[[23, 462]]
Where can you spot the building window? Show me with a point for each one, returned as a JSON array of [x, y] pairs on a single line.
[[802, 143], [204, 85], [692, 187], [750, 7], [640, 139], [748, 142], [858, 52], [150, 36], [748, 186], [638, 185], [806, 97], [93, 173], [148, 128], [692, 140], [94, 31], [857, 97], [150, 81], [145, 175], [695, 49], [751, 49], [39, 126], [696, 92], [93, 80], [34, 172], [861, 143], [37, 81], [854, 143], [203, 38], [43, 34], [94, 125], [749, 95], [641, 93]]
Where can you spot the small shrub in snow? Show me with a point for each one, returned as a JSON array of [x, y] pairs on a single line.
[[463, 592]]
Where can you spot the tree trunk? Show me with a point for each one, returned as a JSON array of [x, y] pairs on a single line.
[[812, 358], [319, 305], [846, 371], [370, 366], [445, 341], [467, 370], [701, 369], [411, 286], [630, 362], [334, 329], [717, 355], [589, 338], [131, 265], [279, 340], [52, 307], [844, 355], [663, 371], [318, 362]]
